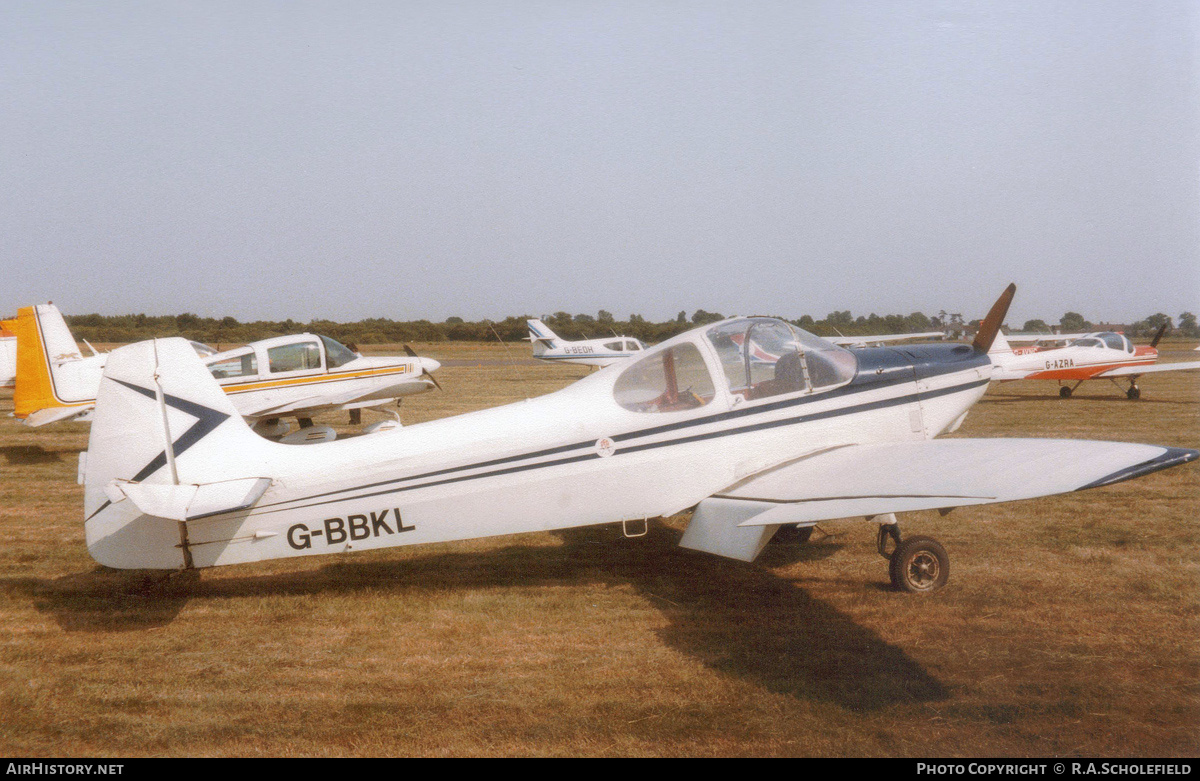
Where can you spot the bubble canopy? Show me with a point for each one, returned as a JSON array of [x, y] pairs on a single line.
[[759, 357]]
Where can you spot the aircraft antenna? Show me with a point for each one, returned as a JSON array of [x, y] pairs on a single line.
[[512, 363]]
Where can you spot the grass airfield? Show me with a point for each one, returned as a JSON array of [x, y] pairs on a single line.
[[1070, 626]]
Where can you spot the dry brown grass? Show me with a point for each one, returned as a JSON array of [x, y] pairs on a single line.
[[1069, 626]]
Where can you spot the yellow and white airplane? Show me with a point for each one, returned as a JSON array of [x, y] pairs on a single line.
[[294, 376]]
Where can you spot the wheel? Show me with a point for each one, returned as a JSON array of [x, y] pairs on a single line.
[[792, 535], [1065, 392], [919, 565], [1134, 393]]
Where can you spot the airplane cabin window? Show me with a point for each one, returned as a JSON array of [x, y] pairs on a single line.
[[294, 357], [668, 381], [632, 346], [1115, 341], [614, 346], [237, 366], [336, 353], [764, 357]]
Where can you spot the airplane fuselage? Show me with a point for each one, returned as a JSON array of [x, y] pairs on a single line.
[[572, 458], [1071, 362]]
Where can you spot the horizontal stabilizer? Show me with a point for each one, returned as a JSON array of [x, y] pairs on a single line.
[[188, 502], [55, 414], [869, 480]]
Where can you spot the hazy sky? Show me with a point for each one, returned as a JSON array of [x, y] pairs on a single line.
[[351, 159]]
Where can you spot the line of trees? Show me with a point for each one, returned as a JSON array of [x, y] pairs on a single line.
[[228, 330]]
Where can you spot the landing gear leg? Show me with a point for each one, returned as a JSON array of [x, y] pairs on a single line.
[[1066, 392], [917, 565]]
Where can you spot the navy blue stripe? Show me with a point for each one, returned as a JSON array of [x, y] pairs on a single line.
[[718, 418], [1173, 457], [206, 420], [895, 401]]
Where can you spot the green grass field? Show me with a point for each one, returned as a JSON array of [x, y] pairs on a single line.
[[1070, 626]]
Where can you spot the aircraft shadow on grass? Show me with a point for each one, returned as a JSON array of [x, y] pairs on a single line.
[[738, 619], [26, 455]]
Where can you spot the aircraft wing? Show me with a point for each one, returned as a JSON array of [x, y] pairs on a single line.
[[308, 403], [1124, 371], [868, 480], [1043, 337], [860, 341]]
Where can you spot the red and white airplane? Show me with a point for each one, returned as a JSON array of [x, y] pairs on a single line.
[[1095, 356]]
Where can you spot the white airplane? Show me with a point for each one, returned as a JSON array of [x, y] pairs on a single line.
[[549, 346], [1094, 356], [174, 479], [287, 376]]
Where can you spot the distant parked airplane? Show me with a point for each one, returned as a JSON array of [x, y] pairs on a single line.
[[549, 346], [294, 376], [1094, 356]]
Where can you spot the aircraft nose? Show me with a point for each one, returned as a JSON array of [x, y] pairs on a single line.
[[429, 365]]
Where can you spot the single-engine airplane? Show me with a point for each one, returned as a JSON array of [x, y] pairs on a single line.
[[1093, 356], [549, 346], [286, 376], [174, 478]]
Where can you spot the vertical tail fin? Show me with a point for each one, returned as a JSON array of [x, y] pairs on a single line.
[[1000, 345], [542, 337], [54, 381], [166, 445]]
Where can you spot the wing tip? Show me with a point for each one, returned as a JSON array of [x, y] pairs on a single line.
[[1171, 456]]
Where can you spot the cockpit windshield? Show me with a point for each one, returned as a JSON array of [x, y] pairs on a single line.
[[336, 353], [1115, 341], [762, 357]]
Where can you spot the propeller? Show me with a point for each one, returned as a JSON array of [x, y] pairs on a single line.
[[1162, 330], [422, 363], [991, 324]]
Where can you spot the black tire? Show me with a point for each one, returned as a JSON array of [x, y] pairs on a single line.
[[792, 535], [1065, 392], [1133, 394], [919, 565]]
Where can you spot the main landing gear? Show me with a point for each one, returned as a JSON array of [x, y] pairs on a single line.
[[918, 565], [1133, 394]]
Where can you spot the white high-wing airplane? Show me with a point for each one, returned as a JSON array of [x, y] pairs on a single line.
[[286, 376], [1094, 356], [174, 479], [549, 346]]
